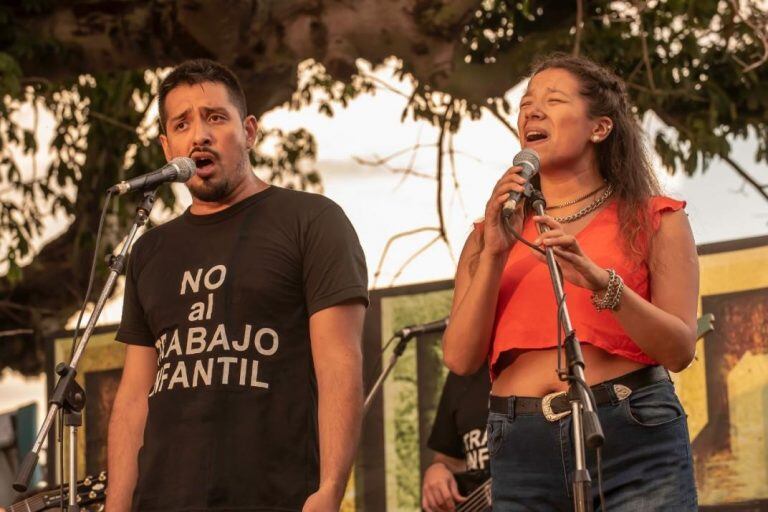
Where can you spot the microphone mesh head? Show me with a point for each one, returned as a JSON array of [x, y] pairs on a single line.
[[186, 167], [527, 156]]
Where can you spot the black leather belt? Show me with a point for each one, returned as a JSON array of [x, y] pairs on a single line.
[[556, 405]]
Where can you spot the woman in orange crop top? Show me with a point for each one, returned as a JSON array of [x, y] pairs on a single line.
[[631, 281]]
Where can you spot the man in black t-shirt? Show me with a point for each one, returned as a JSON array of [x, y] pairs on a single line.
[[459, 441], [242, 386]]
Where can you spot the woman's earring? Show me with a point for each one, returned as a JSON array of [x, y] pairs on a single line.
[[595, 138]]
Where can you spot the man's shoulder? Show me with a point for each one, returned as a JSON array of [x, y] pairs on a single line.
[[303, 198], [306, 206]]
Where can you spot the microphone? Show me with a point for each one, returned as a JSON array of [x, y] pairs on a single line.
[[179, 169], [417, 329], [529, 160]]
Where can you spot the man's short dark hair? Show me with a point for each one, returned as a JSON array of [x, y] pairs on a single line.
[[197, 71]]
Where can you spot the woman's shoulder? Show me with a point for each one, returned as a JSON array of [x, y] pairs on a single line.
[[666, 203], [661, 205]]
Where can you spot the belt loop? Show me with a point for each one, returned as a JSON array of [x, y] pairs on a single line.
[[511, 407]]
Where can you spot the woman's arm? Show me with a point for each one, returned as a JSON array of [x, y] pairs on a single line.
[[664, 327], [467, 339]]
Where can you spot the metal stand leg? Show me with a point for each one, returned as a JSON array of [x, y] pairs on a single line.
[[585, 423], [67, 395], [73, 420]]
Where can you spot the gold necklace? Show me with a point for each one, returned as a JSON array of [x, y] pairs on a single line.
[[577, 200], [594, 205]]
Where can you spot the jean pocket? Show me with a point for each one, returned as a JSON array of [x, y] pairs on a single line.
[[495, 431], [654, 406]]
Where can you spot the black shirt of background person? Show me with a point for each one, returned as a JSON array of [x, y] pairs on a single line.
[[225, 299], [460, 421]]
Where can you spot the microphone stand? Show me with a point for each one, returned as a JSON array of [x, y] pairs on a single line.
[[586, 429], [68, 397], [404, 336]]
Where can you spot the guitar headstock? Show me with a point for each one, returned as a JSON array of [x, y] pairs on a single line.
[[91, 490]]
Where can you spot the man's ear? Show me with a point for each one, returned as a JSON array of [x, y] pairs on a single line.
[[166, 148], [251, 126]]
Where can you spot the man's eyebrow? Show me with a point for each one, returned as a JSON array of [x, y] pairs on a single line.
[[179, 116], [216, 110]]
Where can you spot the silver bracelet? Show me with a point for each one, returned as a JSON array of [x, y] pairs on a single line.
[[612, 294]]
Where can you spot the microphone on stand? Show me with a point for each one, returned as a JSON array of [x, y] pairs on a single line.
[[418, 329], [179, 169], [405, 334], [529, 160]]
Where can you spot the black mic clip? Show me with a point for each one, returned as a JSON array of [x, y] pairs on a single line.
[[535, 195]]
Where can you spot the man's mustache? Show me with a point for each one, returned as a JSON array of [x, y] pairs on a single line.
[[204, 149]]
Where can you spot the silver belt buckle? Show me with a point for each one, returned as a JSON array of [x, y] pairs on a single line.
[[546, 407]]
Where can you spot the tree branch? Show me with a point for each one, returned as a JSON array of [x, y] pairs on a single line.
[[413, 257], [494, 111], [15, 332], [759, 32], [389, 243], [444, 128], [761, 189], [644, 46], [579, 27], [376, 161], [384, 84], [109, 120], [452, 160]]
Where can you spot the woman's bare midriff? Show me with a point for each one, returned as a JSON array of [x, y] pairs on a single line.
[[533, 372]]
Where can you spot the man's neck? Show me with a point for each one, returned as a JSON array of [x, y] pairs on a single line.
[[243, 190]]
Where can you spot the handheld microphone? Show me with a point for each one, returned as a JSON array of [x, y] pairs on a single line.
[[179, 169], [529, 160], [417, 329]]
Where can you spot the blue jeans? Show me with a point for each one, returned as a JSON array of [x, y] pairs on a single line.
[[646, 457]]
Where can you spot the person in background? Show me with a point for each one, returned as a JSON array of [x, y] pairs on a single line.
[[458, 439]]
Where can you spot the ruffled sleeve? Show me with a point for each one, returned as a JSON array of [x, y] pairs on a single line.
[[660, 205]]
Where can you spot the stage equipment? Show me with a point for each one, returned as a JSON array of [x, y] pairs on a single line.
[[179, 169], [529, 160], [585, 426], [404, 335], [68, 398]]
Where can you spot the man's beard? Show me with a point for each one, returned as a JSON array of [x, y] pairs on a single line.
[[210, 191], [219, 188]]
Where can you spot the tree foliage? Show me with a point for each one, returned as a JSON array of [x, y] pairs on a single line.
[[697, 65]]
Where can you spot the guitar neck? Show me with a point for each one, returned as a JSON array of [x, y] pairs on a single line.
[[89, 491], [478, 500]]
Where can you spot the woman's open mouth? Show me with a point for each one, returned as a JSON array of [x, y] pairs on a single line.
[[535, 136]]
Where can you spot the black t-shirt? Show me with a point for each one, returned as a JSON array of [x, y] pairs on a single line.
[[459, 427], [225, 299]]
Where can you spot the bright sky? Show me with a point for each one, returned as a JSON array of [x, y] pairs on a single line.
[[381, 203]]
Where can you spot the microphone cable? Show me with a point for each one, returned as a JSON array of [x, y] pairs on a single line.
[[562, 373], [92, 275]]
